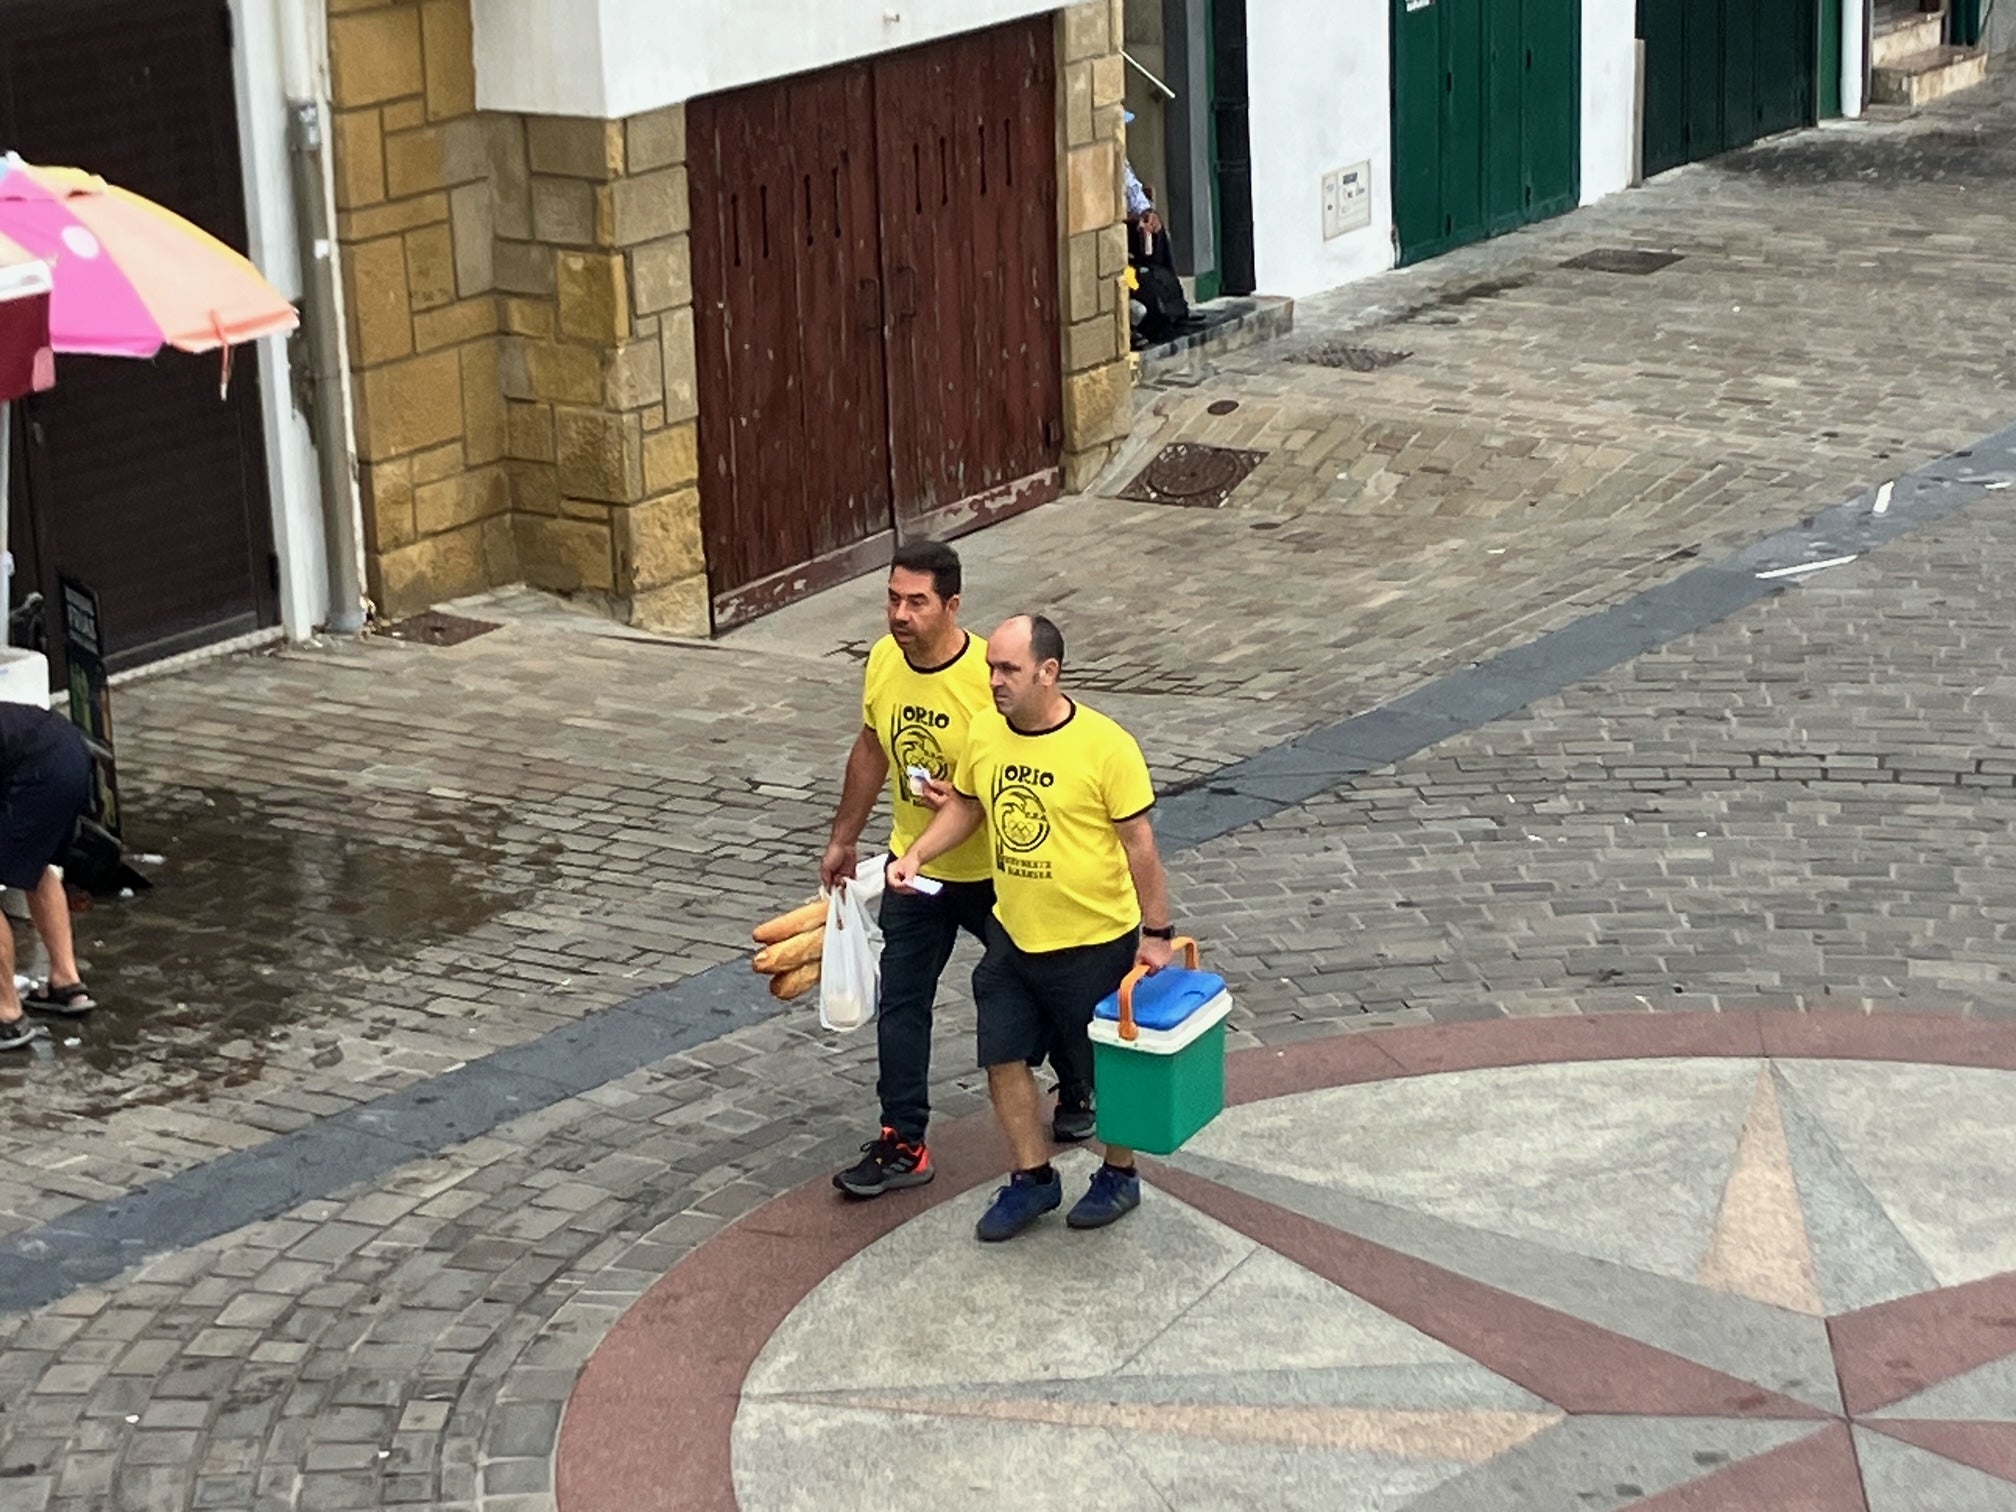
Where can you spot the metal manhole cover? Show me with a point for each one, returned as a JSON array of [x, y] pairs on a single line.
[[1633, 260], [1342, 354], [1193, 475], [437, 629]]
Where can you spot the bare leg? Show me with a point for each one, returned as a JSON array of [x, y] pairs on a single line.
[[10, 1000], [1019, 1106], [49, 906], [1120, 1156]]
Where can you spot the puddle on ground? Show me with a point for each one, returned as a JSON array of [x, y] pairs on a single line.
[[260, 917]]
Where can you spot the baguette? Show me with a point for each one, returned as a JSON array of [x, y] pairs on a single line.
[[785, 925], [796, 951], [796, 982]]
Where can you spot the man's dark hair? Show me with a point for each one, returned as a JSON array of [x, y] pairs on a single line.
[[1046, 641], [934, 557]]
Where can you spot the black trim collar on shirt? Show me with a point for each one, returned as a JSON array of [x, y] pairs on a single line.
[[945, 666], [1034, 734]]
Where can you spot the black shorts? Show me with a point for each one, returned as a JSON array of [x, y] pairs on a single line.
[[1033, 1004], [38, 813]]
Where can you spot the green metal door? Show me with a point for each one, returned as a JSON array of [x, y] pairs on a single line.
[[1552, 109], [1504, 96], [1486, 118], [1662, 26], [1787, 53], [1463, 120], [1417, 127], [1719, 74]]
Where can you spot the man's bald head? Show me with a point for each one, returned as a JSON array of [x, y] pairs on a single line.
[[1025, 658]]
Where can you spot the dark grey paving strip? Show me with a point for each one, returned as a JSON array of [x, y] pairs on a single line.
[[98, 1241], [1332, 755]]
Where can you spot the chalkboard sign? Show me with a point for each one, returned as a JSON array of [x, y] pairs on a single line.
[[91, 700]]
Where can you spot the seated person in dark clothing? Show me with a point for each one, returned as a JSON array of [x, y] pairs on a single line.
[[1147, 240], [45, 781]]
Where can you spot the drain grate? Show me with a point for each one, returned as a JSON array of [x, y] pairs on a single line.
[[1192, 475], [1342, 354], [1633, 260], [437, 629]]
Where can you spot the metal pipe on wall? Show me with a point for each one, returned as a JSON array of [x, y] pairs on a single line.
[[328, 408]]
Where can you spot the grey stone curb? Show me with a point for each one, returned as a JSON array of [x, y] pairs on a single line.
[[98, 1241]]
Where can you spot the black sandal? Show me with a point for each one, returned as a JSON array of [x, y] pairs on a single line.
[[62, 1002]]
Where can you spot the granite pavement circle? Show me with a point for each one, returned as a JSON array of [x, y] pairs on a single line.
[[1743, 1262]]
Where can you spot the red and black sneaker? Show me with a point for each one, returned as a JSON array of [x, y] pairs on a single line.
[[887, 1164]]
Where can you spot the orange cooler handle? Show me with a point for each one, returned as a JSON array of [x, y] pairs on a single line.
[[1127, 1029]]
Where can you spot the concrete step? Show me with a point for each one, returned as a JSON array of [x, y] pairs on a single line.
[[1225, 325], [1915, 33], [1927, 76]]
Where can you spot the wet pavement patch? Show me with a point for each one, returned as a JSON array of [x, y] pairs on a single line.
[[1635, 261], [98, 1240], [1879, 156], [262, 909], [1344, 354]]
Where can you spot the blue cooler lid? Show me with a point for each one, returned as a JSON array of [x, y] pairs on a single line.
[[1167, 998]]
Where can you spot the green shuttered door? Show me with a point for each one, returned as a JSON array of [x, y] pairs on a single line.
[[1486, 117], [1719, 74]]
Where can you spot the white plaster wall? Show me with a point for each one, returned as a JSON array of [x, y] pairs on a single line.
[[614, 58], [295, 484], [1609, 95], [1319, 73]]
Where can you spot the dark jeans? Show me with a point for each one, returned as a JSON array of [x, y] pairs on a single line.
[[918, 934]]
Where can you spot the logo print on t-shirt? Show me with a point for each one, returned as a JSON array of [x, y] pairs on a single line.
[[913, 741], [1020, 818]]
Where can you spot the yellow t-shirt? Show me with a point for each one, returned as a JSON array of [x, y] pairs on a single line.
[[921, 718], [1052, 801]]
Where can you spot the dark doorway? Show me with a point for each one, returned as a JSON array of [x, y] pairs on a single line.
[[139, 480], [1232, 147]]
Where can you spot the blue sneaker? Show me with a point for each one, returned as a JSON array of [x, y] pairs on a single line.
[[1114, 1194], [1019, 1204]]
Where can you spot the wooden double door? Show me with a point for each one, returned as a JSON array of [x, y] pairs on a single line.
[[875, 261]]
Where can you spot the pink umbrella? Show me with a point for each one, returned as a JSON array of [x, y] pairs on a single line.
[[132, 277]]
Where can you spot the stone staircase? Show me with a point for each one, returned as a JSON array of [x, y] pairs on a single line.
[[1911, 62]]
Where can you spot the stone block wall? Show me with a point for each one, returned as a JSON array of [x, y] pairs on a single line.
[[414, 223], [519, 299], [1098, 384], [595, 274]]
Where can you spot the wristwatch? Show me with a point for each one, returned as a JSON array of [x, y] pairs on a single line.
[[1166, 932]]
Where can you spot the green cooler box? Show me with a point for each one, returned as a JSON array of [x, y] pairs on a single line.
[[1158, 1053]]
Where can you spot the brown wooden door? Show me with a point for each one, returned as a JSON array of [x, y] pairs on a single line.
[[793, 421], [875, 267], [144, 484], [969, 253]]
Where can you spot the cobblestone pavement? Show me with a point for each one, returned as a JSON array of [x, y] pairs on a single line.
[[383, 861]]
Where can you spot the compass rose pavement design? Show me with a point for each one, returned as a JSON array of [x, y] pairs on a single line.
[[1520, 1268]]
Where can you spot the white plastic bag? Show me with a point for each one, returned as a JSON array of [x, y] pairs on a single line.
[[850, 967]]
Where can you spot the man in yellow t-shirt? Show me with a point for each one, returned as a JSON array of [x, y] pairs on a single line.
[[1062, 795], [926, 681]]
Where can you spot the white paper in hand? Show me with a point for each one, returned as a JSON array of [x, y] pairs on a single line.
[[850, 967]]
